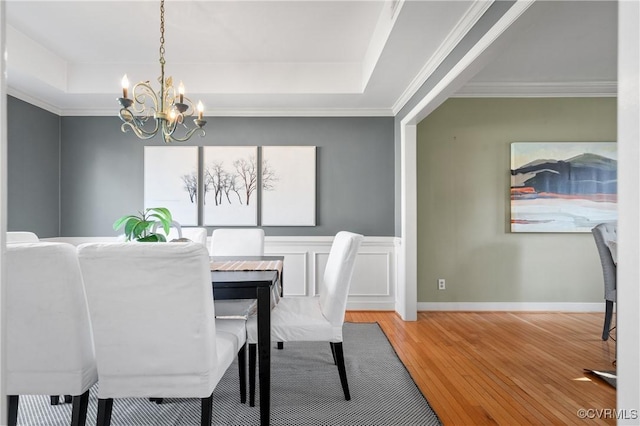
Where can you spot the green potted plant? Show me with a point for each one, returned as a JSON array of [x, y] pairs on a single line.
[[139, 228]]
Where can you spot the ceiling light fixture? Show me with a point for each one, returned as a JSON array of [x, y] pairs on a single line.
[[167, 108]]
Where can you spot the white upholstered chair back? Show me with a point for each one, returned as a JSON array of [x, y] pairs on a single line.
[[175, 231], [195, 234], [153, 319], [237, 242], [49, 346], [337, 276], [21, 237]]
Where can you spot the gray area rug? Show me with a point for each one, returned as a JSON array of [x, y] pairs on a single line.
[[305, 389]]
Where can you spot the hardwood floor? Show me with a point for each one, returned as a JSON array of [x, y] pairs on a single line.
[[521, 368]]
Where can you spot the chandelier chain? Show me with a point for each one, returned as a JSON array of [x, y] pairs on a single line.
[[162, 32]]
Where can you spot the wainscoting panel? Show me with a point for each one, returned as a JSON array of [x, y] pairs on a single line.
[[373, 286], [295, 273], [373, 283]]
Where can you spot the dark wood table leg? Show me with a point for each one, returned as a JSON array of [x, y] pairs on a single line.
[[264, 352]]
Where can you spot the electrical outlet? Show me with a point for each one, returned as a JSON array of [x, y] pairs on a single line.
[[441, 284]]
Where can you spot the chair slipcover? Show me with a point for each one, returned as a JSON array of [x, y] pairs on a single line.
[[153, 319], [175, 230], [49, 345], [317, 318], [195, 234], [604, 235], [21, 237], [314, 318], [236, 242]]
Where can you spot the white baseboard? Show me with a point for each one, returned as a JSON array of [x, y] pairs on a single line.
[[371, 306], [511, 306]]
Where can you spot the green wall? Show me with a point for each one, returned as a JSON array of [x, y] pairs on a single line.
[[463, 203]]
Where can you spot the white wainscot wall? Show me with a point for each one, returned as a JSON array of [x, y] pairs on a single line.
[[373, 286]]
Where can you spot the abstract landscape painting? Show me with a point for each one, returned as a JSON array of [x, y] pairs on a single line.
[[171, 181], [563, 186], [230, 181]]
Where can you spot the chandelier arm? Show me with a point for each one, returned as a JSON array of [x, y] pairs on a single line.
[[141, 92], [139, 131], [170, 138]]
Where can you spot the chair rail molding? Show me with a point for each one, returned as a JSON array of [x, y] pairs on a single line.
[[376, 276], [373, 286]]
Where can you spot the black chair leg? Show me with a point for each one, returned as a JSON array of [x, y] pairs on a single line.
[[206, 413], [608, 313], [252, 374], [79, 409], [55, 399], [68, 399], [342, 370], [333, 352], [12, 415], [280, 345], [156, 400], [242, 372], [104, 411]]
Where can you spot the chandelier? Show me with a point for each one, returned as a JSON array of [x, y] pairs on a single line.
[[148, 112]]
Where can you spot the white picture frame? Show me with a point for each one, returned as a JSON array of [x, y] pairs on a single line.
[[230, 185], [288, 186], [171, 181]]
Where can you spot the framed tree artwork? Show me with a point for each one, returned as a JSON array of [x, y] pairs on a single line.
[[288, 186], [171, 181], [563, 186], [230, 184]]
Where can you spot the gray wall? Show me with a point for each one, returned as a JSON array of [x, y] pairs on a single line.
[[33, 172], [102, 170], [464, 208]]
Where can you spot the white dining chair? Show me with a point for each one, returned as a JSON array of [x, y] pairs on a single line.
[[195, 234], [154, 323], [49, 345], [30, 237], [21, 237], [236, 242], [313, 319], [177, 231]]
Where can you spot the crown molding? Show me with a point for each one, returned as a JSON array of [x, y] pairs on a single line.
[[601, 89], [473, 14], [34, 101], [327, 112]]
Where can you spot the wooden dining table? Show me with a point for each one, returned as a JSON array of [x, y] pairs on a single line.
[[246, 281]]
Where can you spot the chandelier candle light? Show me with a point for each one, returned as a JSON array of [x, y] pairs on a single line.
[[167, 109]]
